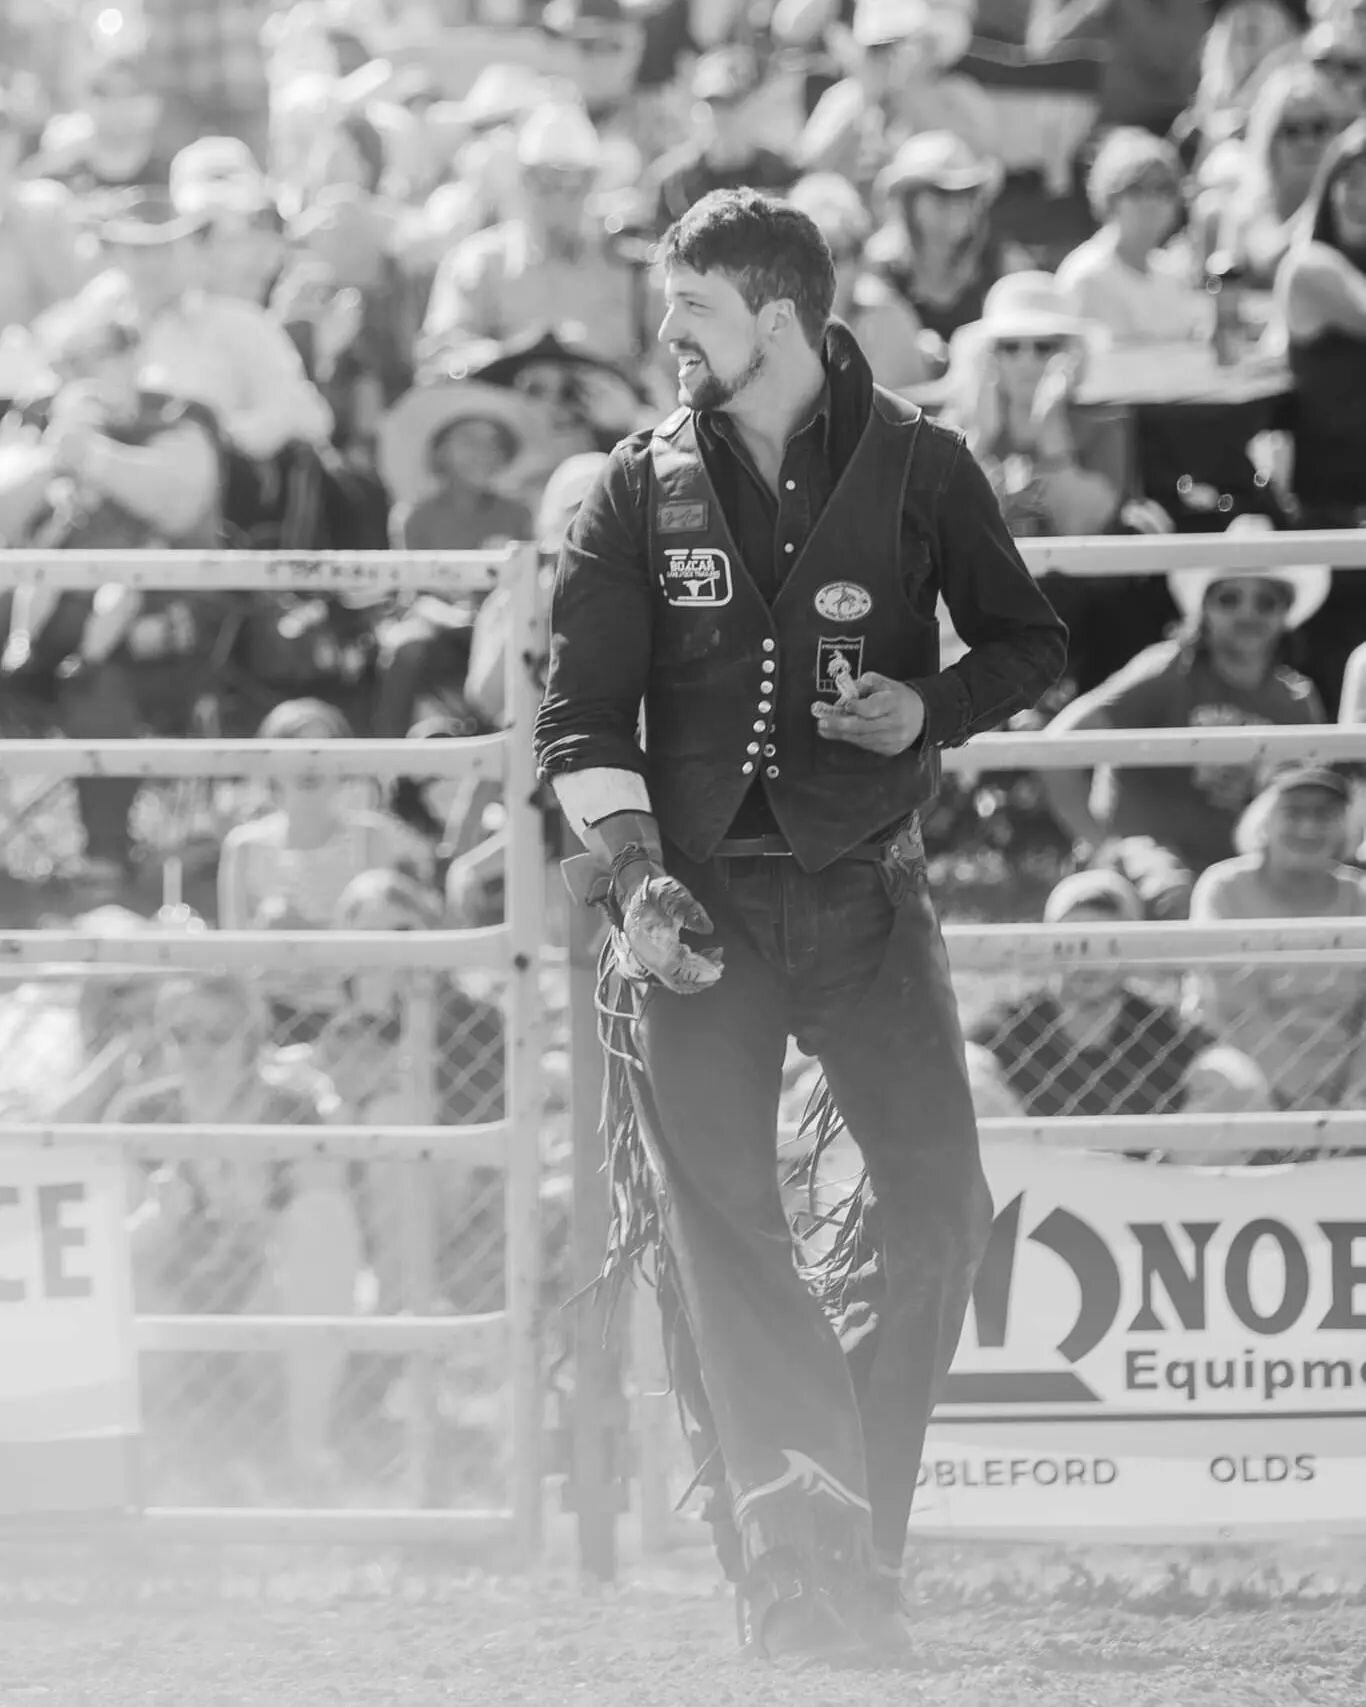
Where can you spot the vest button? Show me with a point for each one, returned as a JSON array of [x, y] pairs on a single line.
[[753, 747], [747, 769], [770, 645], [760, 727], [772, 770], [769, 666], [765, 705], [769, 751]]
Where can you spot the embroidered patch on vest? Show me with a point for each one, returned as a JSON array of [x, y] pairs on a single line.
[[843, 601], [700, 577], [828, 648], [681, 518]]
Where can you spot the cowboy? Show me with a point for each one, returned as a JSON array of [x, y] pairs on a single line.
[[762, 570]]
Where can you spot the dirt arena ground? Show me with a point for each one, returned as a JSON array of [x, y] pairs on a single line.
[[999, 1629]]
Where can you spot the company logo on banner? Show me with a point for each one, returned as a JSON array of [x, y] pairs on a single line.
[[1158, 1346], [68, 1369]]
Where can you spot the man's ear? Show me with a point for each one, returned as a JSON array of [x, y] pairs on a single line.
[[776, 319]]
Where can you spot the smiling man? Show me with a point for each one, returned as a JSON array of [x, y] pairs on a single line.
[[762, 571]]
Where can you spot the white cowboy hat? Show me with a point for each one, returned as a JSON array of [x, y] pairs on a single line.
[[1309, 583], [420, 415], [1030, 305]]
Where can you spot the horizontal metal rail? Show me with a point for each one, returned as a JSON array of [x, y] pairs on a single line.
[[474, 755], [1337, 942], [485, 755], [1335, 1130], [1322, 942], [476, 1146], [357, 1333], [1158, 554], [483, 947], [1084, 749], [258, 571]]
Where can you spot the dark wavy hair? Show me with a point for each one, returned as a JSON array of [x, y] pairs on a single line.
[[769, 250], [1342, 153]]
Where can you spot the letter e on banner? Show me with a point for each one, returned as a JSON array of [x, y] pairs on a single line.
[[68, 1357]]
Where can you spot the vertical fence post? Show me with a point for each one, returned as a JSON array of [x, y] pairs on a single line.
[[525, 892], [418, 1198]]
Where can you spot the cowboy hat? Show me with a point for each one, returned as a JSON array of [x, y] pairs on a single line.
[[218, 173], [1309, 583], [424, 413], [937, 159], [1029, 305], [493, 363]]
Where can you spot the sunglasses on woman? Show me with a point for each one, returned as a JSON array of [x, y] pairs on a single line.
[[1043, 348], [1262, 601], [1304, 130]]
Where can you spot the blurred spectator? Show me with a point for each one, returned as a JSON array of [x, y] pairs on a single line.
[[401, 1054], [722, 153], [44, 258], [116, 139], [1012, 385], [937, 248], [445, 453], [1123, 278], [1222, 669], [286, 871], [888, 332], [217, 179], [1092, 1044], [1336, 46], [550, 264], [1306, 1025], [1149, 59], [1248, 41], [240, 1233], [218, 351], [1321, 289], [1294, 117], [897, 88], [121, 466], [1322, 292]]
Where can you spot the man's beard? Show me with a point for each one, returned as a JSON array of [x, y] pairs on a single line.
[[709, 391]]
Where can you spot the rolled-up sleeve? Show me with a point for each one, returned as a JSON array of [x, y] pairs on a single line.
[[601, 624], [1017, 646]]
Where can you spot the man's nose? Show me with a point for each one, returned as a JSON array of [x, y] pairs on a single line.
[[668, 325]]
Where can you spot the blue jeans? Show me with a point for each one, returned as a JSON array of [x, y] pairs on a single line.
[[849, 961]]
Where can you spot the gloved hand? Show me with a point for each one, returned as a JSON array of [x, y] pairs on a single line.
[[655, 911]]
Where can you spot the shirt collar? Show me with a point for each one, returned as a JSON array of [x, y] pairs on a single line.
[[817, 423]]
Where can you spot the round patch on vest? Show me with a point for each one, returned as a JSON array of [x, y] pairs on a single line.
[[843, 601]]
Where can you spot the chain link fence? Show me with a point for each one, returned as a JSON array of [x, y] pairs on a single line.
[[307, 1420]]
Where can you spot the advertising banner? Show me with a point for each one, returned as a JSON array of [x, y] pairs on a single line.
[[68, 1365], [1158, 1349]]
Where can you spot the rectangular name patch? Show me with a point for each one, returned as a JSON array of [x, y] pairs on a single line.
[[681, 518], [827, 650], [696, 578]]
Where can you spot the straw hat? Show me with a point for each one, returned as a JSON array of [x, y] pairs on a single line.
[[561, 137], [1309, 583], [218, 173], [937, 159], [1029, 305], [564, 493], [422, 414], [1106, 889]]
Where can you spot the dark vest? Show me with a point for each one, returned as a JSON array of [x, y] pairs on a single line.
[[732, 679]]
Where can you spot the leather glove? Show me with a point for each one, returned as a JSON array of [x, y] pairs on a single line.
[[655, 913]]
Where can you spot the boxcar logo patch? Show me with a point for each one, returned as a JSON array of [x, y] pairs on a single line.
[[843, 601], [827, 650], [700, 577], [681, 518]]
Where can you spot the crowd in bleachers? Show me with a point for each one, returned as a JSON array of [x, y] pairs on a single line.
[[375, 273]]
